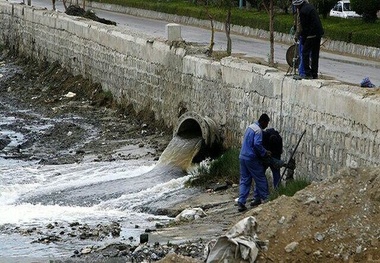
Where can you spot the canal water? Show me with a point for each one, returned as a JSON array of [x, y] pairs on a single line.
[[128, 192]]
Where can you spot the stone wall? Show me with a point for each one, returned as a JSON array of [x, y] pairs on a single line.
[[342, 122]]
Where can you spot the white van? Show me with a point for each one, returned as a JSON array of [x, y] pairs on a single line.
[[343, 9]]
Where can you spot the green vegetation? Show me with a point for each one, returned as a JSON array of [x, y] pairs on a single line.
[[103, 98], [368, 9], [226, 168], [348, 30], [290, 188]]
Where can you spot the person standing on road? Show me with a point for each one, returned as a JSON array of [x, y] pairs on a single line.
[[251, 166], [311, 34], [297, 39]]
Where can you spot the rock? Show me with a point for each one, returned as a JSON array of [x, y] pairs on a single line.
[[144, 238], [282, 220], [318, 236], [174, 258], [86, 250], [291, 247], [190, 214], [4, 141], [218, 187]]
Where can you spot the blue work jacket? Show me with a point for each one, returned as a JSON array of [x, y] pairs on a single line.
[[252, 147]]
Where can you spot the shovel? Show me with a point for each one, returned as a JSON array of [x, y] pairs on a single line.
[[291, 156]]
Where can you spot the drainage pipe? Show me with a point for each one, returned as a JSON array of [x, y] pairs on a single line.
[[191, 122]]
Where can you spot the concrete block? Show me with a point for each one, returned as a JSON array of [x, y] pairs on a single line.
[[173, 31]]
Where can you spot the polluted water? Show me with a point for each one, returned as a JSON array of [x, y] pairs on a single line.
[[37, 200], [127, 192]]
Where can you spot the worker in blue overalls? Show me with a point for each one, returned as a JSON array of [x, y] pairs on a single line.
[[251, 166]]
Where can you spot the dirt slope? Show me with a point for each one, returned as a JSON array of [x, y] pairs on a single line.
[[336, 220]]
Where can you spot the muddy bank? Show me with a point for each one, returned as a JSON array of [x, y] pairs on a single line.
[[77, 119]]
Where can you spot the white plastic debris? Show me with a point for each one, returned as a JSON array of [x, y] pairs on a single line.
[[240, 244], [190, 214], [70, 94]]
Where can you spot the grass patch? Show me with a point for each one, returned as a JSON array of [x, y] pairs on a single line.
[[225, 168], [102, 98], [290, 188]]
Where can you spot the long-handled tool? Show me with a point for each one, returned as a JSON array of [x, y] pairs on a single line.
[[291, 156]]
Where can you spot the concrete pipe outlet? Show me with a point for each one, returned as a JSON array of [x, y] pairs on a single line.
[[192, 124]]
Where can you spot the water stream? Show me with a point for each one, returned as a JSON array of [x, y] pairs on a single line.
[[129, 192], [124, 191]]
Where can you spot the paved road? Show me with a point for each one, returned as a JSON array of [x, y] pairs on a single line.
[[343, 68]]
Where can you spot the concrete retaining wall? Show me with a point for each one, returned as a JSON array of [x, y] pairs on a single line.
[[342, 122]]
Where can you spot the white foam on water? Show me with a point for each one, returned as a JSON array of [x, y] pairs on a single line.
[[29, 214], [145, 196], [17, 181]]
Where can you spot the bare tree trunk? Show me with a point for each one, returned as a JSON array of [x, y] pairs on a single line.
[[29, 2], [64, 4], [271, 30], [228, 31], [212, 43], [53, 1], [270, 11], [84, 5]]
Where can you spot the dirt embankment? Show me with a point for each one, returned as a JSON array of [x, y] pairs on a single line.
[[336, 220]]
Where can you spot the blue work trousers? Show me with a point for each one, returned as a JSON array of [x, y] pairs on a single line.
[[252, 169], [276, 176], [301, 69]]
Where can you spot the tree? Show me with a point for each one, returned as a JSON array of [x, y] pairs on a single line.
[[323, 6], [227, 27], [283, 5], [368, 9], [258, 4], [227, 5], [269, 6], [211, 18]]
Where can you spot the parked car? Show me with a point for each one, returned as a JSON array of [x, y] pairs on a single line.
[[343, 9]]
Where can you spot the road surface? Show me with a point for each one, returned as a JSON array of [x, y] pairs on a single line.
[[340, 67]]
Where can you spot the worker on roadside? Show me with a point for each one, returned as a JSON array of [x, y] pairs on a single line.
[[311, 34], [251, 166], [298, 39]]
